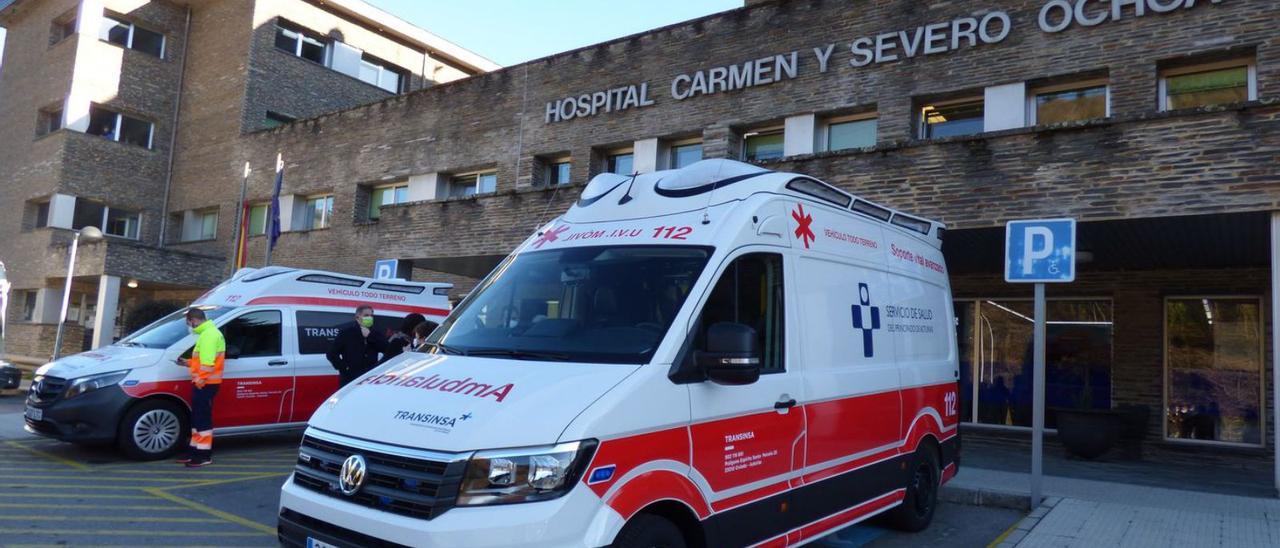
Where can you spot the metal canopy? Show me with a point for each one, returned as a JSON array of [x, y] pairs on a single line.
[[1197, 241]]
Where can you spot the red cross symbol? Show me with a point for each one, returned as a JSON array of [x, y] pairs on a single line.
[[803, 231], [549, 236]]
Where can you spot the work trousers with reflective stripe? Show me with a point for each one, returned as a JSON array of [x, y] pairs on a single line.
[[202, 419]]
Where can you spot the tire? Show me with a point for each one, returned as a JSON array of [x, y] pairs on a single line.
[[916, 511], [649, 531], [153, 429]]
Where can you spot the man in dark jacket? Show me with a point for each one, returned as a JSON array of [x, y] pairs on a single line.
[[355, 350]]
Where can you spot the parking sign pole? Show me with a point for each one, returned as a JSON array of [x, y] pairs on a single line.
[[1037, 399]]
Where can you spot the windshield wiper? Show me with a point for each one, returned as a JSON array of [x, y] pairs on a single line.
[[446, 349], [519, 354]]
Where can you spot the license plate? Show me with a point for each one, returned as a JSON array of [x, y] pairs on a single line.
[[34, 413], [313, 543]]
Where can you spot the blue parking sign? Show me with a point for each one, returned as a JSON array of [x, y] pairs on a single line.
[[1040, 251], [385, 269]]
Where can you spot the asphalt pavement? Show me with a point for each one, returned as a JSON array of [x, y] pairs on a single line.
[[57, 494]]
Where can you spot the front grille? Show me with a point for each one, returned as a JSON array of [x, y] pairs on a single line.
[[419, 488], [45, 389]]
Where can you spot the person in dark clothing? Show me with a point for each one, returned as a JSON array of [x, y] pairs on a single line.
[[421, 332], [356, 348], [402, 339]]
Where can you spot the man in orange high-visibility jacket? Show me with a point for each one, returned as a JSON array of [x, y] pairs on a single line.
[[206, 376]]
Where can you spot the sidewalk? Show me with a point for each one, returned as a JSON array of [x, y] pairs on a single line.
[[1088, 513]]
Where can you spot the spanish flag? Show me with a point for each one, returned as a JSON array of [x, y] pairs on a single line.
[[242, 241]]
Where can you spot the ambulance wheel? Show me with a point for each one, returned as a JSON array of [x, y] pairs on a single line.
[[153, 429], [916, 510], [649, 531]]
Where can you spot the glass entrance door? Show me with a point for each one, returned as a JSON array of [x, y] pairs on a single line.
[[995, 340]]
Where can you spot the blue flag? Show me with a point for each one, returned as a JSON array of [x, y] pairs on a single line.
[[273, 231]]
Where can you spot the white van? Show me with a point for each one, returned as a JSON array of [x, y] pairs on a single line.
[[278, 323], [714, 356]]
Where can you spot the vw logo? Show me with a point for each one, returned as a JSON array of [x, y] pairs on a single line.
[[351, 476]]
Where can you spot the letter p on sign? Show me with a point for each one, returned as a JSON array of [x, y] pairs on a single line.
[[1040, 251]]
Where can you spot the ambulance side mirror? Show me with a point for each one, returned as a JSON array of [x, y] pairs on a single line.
[[732, 356], [232, 352]]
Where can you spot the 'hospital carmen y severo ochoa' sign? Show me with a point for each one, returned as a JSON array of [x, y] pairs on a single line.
[[969, 31]]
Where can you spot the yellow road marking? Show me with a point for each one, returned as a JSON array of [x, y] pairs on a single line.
[[74, 496], [211, 511], [101, 478], [50, 456], [34, 505], [43, 486], [122, 519], [1004, 535], [223, 481], [116, 532]]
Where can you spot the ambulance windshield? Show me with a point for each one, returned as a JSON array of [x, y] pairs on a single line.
[[170, 329], [584, 304]]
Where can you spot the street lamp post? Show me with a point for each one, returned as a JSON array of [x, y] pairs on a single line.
[[90, 234]]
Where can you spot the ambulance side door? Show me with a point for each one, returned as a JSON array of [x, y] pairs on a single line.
[[257, 378], [748, 439]]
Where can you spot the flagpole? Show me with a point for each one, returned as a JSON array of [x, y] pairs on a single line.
[[235, 242], [273, 222]]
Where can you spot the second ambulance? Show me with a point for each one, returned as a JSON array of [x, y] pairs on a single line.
[[719, 355]]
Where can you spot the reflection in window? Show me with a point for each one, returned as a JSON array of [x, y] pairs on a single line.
[[256, 334], [1213, 380], [684, 155], [996, 339], [851, 134], [1208, 87], [1071, 105], [749, 292]]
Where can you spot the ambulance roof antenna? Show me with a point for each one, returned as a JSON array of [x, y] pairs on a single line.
[[627, 197], [706, 216]]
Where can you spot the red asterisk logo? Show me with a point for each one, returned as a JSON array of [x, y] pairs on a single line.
[[549, 236], [803, 231]]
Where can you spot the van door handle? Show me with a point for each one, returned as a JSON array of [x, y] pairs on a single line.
[[785, 404], [275, 363]]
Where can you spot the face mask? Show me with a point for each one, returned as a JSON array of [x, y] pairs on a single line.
[[417, 343], [366, 321]]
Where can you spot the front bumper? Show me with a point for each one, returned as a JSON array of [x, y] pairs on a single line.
[[566, 521], [88, 418]]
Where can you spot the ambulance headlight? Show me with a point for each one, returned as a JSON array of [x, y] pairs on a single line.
[[89, 384], [505, 476]]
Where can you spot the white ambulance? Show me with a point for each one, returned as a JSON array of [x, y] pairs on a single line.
[[278, 323], [719, 355]]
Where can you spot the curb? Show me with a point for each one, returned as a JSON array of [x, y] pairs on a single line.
[[1019, 531], [985, 497]]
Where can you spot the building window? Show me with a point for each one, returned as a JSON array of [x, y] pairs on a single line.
[[300, 44], [762, 145], [204, 226], [1213, 369], [558, 172], [993, 337], [685, 153], [318, 213], [387, 195], [1210, 84], [258, 219], [49, 120], [275, 119], [128, 35], [28, 299], [622, 163], [471, 184], [380, 73], [847, 132], [112, 221], [1073, 103], [62, 27], [950, 119], [121, 128]]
